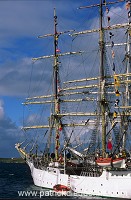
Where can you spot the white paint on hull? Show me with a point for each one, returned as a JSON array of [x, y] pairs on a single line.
[[109, 184], [48, 178]]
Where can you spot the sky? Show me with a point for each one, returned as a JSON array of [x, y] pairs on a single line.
[[21, 22]]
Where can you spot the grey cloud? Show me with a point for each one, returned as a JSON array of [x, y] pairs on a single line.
[[9, 135]]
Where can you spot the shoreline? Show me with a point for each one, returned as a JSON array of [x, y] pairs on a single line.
[[11, 160]]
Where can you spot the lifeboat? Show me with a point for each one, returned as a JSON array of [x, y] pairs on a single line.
[[60, 188], [108, 162]]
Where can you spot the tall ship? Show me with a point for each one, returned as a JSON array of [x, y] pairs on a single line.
[[81, 138]]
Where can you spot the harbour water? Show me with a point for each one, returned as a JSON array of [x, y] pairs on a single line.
[[16, 183]]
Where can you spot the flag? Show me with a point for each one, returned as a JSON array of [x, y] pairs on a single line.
[[127, 5], [116, 80], [59, 89], [108, 19], [111, 35], [104, 1], [117, 93], [113, 54], [129, 31], [107, 10], [113, 66], [60, 127], [117, 102], [57, 136], [57, 50], [114, 115], [109, 145], [112, 44], [129, 14]]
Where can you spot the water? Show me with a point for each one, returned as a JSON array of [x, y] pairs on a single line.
[[16, 183], [14, 177]]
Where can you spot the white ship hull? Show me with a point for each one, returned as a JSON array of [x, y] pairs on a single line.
[[109, 184], [47, 178]]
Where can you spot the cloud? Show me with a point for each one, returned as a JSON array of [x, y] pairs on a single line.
[[9, 134], [1, 109], [22, 18], [21, 23]]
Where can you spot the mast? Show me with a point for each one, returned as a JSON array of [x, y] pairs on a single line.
[[55, 77], [128, 70], [102, 80], [102, 100], [128, 55], [55, 55]]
